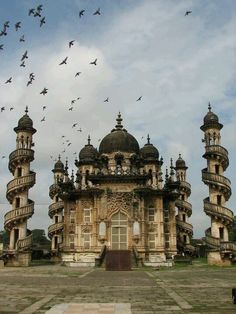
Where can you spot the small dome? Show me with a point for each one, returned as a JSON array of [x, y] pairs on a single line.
[[211, 119], [25, 123], [119, 140], [59, 166], [88, 153], [180, 163], [149, 152]]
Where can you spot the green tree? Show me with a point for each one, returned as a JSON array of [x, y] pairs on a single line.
[[39, 237], [232, 234]]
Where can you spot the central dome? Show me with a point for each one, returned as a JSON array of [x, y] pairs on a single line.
[[119, 140]]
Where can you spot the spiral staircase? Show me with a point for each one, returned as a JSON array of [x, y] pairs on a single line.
[[15, 221], [220, 249]]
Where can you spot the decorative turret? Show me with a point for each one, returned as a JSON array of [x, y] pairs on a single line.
[[56, 208], [17, 194], [184, 229], [220, 250]]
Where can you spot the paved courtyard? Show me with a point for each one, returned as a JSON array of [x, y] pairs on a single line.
[[59, 289]]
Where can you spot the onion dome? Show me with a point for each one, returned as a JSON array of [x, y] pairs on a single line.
[[59, 166], [180, 163], [211, 120], [149, 152], [88, 153], [25, 123], [119, 140]]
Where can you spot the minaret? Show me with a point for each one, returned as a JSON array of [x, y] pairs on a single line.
[[56, 209], [184, 228], [217, 236], [17, 194]]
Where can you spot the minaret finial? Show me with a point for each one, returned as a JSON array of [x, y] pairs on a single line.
[[148, 139], [26, 109], [89, 139], [180, 156], [59, 157], [209, 106], [119, 126]]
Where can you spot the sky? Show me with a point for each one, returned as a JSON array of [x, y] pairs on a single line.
[[145, 48]]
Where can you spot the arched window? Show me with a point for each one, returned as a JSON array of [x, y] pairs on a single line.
[[102, 228]]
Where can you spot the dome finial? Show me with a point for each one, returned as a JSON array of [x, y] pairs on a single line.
[[26, 109], [209, 107], [119, 126], [148, 139], [180, 156], [89, 139], [59, 157]]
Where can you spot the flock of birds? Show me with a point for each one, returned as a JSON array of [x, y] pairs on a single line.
[[37, 13]]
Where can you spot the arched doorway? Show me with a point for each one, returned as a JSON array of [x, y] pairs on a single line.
[[119, 231]]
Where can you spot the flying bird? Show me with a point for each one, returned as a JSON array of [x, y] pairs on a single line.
[[71, 43], [37, 13], [11, 108], [94, 62], [29, 82], [187, 13], [97, 12], [17, 25], [3, 33], [44, 91], [39, 8], [139, 98], [44, 107], [72, 101], [25, 56], [63, 136], [1, 47], [43, 119], [3, 157], [79, 130], [9, 80], [107, 99], [31, 76], [74, 125], [22, 64], [81, 13], [42, 21], [6, 24], [68, 144], [64, 61], [77, 74], [22, 38], [71, 108], [31, 11], [2, 109], [78, 98]]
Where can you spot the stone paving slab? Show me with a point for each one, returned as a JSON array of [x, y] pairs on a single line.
[[90, 308]]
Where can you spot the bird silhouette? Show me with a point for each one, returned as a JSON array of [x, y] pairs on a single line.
[[78, 98], [31, 11], [187, 13], [79, 130], [43, 119], [94, 62], [42, 21], [39, 8], [44, 91], [139, 98], [3, 33], [37, 13], [71, 43], [25, 56], [9, 80], [11, 108], [6, 24], [2, 109], [44, 107], [63, 136], [74, 125], [72, 101], [29, 82], [22, 64], [77, 74], [17, 26], [81, 13], [1, 47], [68, 144], [22, 38], [64, 61], [97, 12], [71, 108], [107, 99], [3, 157], [31, 76]]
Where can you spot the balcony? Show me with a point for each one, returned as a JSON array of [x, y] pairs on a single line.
[[219, 151], [21, 183], [19, 213], [185, 185], [212, 242], [184, 205], [54, 228], [228, 247], [187, 227], [53, 190], [219, 211], [216, 179], [55, 207], [21, 153], [24, 244]]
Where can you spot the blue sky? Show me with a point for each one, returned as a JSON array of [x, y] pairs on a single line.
[[149, 48]]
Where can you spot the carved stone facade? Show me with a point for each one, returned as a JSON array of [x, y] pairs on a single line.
[[118, 200]]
